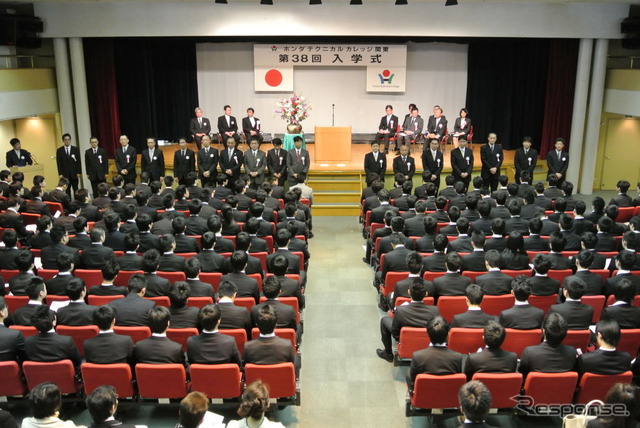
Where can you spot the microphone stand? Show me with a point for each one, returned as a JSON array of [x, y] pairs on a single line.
[[333, 114]]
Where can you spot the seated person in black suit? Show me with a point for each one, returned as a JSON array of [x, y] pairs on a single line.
[[133, 310], [169, 262], [612, 212], [130, 261], [11, 219], [394, 261], [577, 315], [49, 254], [211, 346], [440, 215], [81, 240], [451, 283], [11, 341], [129, 221], [182, 316], [497, 241], [158, 349], [285, 314], [58, 284], [522, 315], [379, 233], [492, 359], [534, 242], [42, 238], [424, 244], [247, 286], [624, 262], [195, 225], [494, 282], [37, 292], [450, 229], [243, 243], [436, 359], [475, 403], [197, 288], [414, 265], [156, 285], [47, 345], [436, 261], [589, 243], [483, 223], [184, 243], [210, 260], [77, 312], [540, 283], [232, 316], [397, 226], [97, 254], [551, 356], [622, 310], [107, 347], [463, 242], [290, 287], [102, 404], [410, 314], [110, 271], [514, 256], [606, 360], [475, 261], [18, 283], [474, 317], [606, 241]]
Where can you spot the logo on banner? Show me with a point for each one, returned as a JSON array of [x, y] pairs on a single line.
[[386, 77], [273, 78]]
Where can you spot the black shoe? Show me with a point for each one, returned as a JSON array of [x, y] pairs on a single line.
[[364, 259], [310, 235], [384, 355]]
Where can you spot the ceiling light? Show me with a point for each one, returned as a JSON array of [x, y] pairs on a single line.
[[451, 3]]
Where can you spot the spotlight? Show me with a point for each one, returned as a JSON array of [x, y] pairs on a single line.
[[451, 3], [401, 2], [315, 1], [355, 2], [221, 2], [268, 2]]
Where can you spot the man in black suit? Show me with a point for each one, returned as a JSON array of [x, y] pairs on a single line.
[[526, 158], [77, 312], [133, 310], [10, 250], [377, 214], [494, 282], [475, 404], [197, 288], [96, 160], [109, 273], [410, 314], [48, 346], [11, 341], [462, 243], [483, 224], [232, 316], [387, 128], [492, 157], [436, 261], [35, 205], [290, 287], [462, 162], [169, 262], [184, 243], [606, 360], [592, 281], [475, 261], [404, 164], [102, 404], [558, 161], [414, 226], [375, 162], [211, 346], [107, 347], [24, 263], [247, 286], [207, 163], [474, 317], [37, 292], [199, 126], [534, 242], [49, 255], [158, 349], [622, 310], [228, 126], [516, 222], [252, 127], [156, 285], [285, 314], [577, 315], [11, 219], [451, 283], [130, 261], [622, 199], [126, 158], [436, 359], [433, 162], [184, 162], [522, 315], [182, 316], [551, 356], [17, 156], [231, 159], [436, 125], [298, 161], [624, 262], [540, 283], [492, 359], [394, 261], [97, 254], [69, 163], [255, 162], [210, 260], [277, 162], [153, 160]]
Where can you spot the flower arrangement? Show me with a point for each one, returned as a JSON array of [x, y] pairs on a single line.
[[293, 109]]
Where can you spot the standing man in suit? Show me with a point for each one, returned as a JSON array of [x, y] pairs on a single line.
[[462, 162], [526, 158], [251, 126], [153, 160], [375, 161], [558, 161], [228, 126], [411, 129], [404, 164], [231, 159], [491, 156], [277, 162], [17, 156], [207, 162], [199, 126], [255, 162], [69, 163], [184, 161], [297, 161], [387, 128], [96, 160], [436, 125], [433, 162], [126, 158]]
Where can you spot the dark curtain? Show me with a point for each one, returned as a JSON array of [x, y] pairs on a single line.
[[157, 88], [102, 93], [506, 86], [561, 81]]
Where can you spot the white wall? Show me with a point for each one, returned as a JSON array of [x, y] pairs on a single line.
[[436, 74]]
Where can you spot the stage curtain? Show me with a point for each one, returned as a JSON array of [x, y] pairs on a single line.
[[101, 90], [506, 86], [561, 82]]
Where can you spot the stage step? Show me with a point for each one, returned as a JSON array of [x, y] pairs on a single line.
[[335, 184], [335, 197], [327, 209], [336, 193]]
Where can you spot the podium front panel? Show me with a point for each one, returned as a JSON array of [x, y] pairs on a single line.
[[333, 144]]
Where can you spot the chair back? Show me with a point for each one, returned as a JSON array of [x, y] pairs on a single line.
[[543, 302], [240, 336], [466, 340], [199, 302], [62, 373], [78, 334], [117, 375], [493, 305], [411, 339], [597, 303], [160, 300], [245, 302], [517, 340], [161, 381], [122, 280], [181, 335], [15, 302], [135, 333], [102, 300], [629, 341], [173, 276], [437, 392], [503, 387], [579, 339], [26, 330], [11, 376], [217, 381], [280, 378], [212, 278], [451, 305], [595, 387], [551, 388]]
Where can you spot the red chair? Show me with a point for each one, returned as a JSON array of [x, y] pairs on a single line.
[[466, 340], [117, 375], [285, 333], [217, 381], [26, 330], [122, 280], [11, 376], [47, 273], [15, 302], [472, 274], [173, 276], [186, 255], [212, 278], [118, 253], [258, 279], [300, 258], [560, 275], [597, 303], [245, 302], [102, 300], [533, 254], [29, 218], [240, 336], [161, 381], [91, 276], [7, 274], [514, 273], [62, 373], [551, 388], [401, 300], [503, 387], [281, 379], [430, 276], [269, 240], [493, 305], [451, 305], [578, 339], [263, 259], [291, 301], [199, 302], [78, 334], [625, 214], [629, 341], [595, 387], [36, 252], [54, 207], [160, 300], [53, 298], [603, 273], [435, 392], [181, 335], [411, 339], [390, 281], [543, 302], [136, 333], [517, 340]]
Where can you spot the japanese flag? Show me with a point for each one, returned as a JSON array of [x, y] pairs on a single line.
[[273, 79]]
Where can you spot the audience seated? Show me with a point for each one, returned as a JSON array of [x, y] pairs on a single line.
[[494, 282], [605, 360], [592, 282], [59, 239], [285, 314], [475, 403], [268, 348], [133, 309], [451, 283], [77, 312], [540, 283], [492, 359], [211, 346], [155, 285], [95, 256], [436, 261], [158, 349], [37, 292], [182, 316], [551, 356], [210, 260], [107, 347], [168, 261], [110, 271], [624, 262], [514, 256], [622, 310], [246, 285], [522, 316], [47, 345], [45, 401], [11, 341], [58, 284], [232, 316], [474, 317], [577, 315], [102, 404], [197, 288]]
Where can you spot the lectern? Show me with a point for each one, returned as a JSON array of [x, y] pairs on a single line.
[[29, 172], [333, 144]]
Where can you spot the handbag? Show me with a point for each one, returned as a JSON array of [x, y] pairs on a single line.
[[580, 421]]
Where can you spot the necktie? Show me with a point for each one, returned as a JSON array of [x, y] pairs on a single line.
[[200, 121], [526, 151], [95, 151], [492, 148], [67, 151], [124, 150], [298, 153], [559, 155], [433, 153], [375, 157], [206, 151], [388, 121], [404, 158], [462, 151], [255, 154], [228, 121], [230, 153], [277, 153], [183, 153]]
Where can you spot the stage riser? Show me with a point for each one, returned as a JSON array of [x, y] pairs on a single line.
[[320, 185], [336, 197], [336, 193], [335, 210]]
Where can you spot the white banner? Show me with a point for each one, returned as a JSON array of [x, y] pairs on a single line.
[[273, 79]]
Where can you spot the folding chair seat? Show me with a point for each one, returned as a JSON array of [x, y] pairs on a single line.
[[597, 303], [29, 218], [199, 302], [122, 280], [118, 253], [609, 255], [435, 392], [551, 388], [472, 274], [47, 273], [517, 340], [514, 273], [578, 339], [451, 305], [161, 381], [603, 273], [390, 281], [102, 300], [62, 373], [212, 278], [240, 336], [78, 334], [15, 302], [91, 276], [136, 333], [181, 335], [245, 302], [543, 302], [503, 386], [493, 305], [54, 207], [217, 381], [285, 333], [281, 379], [411, 339], [629, 341], [466, 340], [27, 330], [595, 387], [560, 275], [12, 384], [117, 375], [160, 300], [173, 276]]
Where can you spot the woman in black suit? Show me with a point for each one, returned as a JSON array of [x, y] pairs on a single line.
[[461, 128], [514, 257]]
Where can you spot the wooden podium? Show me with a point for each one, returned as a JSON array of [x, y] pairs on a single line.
[[332, 144], [29, 172]]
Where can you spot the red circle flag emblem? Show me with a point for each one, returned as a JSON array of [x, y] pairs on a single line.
[[386, 73], [273, 77]]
